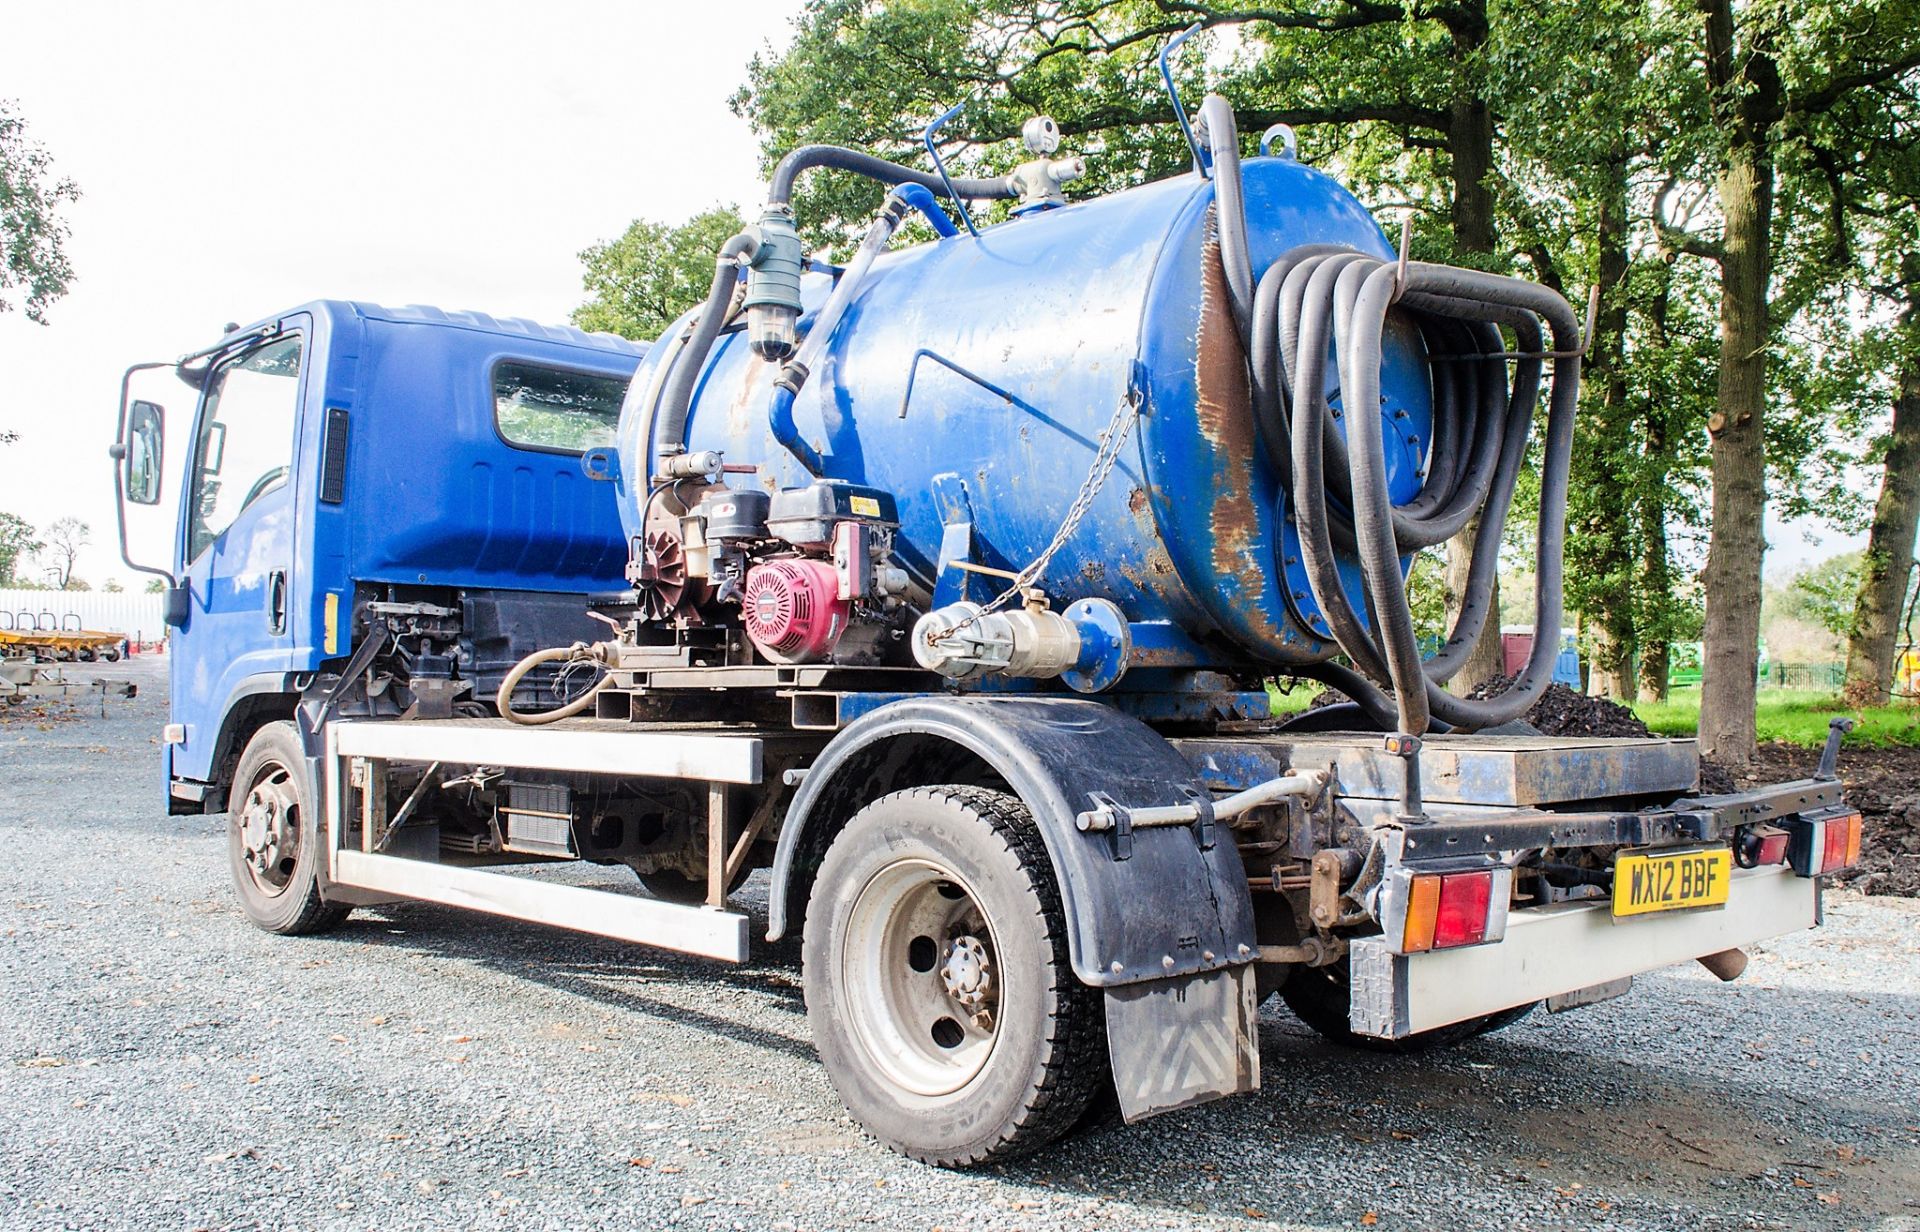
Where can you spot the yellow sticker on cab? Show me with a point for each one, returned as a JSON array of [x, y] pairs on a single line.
[[1671, 880], [865, 506]]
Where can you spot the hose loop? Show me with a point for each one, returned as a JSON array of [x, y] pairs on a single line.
[[578, 653]]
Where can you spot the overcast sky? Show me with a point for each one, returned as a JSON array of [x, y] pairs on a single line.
[[239, 159]]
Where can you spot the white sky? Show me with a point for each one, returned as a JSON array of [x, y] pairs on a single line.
[[239, 159]]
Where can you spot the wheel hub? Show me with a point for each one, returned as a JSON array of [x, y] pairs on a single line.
[[919, 978], [967, 973], [266, 829]]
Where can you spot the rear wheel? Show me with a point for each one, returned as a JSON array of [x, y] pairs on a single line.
[[938, 985], [1318, 996], [273, 837]]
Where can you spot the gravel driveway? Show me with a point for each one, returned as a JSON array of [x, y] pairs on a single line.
[[164, 1065]]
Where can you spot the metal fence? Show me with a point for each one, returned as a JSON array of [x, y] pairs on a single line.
[[95, 611]]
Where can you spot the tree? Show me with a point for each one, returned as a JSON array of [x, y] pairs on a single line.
[[156, 586], [112, 586], [65, 539], [17, 543], [640, 282], [33, 236], [1770, 74]]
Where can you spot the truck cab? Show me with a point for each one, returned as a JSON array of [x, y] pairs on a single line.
[[343, 454]]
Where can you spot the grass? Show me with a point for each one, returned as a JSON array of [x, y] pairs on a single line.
[[1791, 716]]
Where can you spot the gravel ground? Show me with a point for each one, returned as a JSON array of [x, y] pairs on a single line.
[[164, 1065]]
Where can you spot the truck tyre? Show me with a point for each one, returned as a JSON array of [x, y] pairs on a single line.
[[1318, 997], [938, 985], [273, 837]]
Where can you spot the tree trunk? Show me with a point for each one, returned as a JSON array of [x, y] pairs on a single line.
[[1488, 659], [1890, 549], [1747, 98], [1655, 588], [1470, 151], [1611, 506]]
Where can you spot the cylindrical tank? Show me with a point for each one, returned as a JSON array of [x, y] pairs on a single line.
[[1052, 322]]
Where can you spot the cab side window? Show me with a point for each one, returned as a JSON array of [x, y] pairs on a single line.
[[553, 409], [245, 444]]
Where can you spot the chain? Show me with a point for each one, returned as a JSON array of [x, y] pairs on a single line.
[[1105, 456]]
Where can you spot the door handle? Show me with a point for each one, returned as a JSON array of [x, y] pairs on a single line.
[[277, 602]]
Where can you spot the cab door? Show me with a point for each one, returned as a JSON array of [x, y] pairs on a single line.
[[238, 539]]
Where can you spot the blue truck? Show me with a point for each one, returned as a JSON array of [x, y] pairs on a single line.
[[944, 584]]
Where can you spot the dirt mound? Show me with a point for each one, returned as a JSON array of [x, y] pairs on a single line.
[[1884, 784], [1563, 712]]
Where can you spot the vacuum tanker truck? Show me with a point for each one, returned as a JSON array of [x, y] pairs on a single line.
[[945, 585]]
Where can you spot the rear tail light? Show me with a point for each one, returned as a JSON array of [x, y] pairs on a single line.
[[1821, 845], [1762, 845], [1443, 910]]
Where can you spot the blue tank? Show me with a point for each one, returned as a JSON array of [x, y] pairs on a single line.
[[972, 376]]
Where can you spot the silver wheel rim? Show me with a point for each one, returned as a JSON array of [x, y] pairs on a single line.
[[921, 978], [267, 829]]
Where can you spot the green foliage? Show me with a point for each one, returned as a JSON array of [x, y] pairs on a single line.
[[33, 235], [1821, 594], [17, 543], [640, 282], [1792, 716], [156, 586]]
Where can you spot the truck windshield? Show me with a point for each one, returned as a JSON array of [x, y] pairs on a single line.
[[245, 443], [554, 409]]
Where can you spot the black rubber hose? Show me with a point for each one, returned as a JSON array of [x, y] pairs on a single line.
[[670, 425], [1480, 434], [1230, 211], [840, 158]]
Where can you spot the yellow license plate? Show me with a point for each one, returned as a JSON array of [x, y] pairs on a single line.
[[1671, 881]]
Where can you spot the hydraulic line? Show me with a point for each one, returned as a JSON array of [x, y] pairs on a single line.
[[578, 652], [807, 157], [1315, 300]]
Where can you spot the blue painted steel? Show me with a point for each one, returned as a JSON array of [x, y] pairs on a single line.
[[1068, 313], [433, 496]]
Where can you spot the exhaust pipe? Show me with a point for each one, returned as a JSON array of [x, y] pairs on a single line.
[[1727, 964]]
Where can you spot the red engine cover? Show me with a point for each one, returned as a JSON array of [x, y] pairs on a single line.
[[793, 609]]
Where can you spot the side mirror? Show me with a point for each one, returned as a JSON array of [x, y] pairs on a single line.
[[173, 609], [144, 452]]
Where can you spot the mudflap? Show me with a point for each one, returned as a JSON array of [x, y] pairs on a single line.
[[1183, 1041]]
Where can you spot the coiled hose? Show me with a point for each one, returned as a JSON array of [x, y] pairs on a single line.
[[1337, 482], [578, 652]]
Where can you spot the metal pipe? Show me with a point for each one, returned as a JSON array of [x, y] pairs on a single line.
[[670, 427]]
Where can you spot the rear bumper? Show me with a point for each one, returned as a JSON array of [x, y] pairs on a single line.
[[1550, 951]]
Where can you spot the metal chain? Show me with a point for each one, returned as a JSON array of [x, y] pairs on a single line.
[[1105, 456]]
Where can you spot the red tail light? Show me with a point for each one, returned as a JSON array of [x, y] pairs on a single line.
[[1821, 845], [1463, 909], [1842, 843], [1438, 911]]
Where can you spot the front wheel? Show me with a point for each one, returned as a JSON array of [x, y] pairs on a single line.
[[273, 836], [938, 985]]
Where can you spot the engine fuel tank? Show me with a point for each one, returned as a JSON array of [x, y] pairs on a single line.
[[972, 377]]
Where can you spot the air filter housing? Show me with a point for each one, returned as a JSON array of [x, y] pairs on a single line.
[[793, 610]]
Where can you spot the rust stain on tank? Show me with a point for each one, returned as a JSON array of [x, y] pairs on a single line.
[[1224, 410]]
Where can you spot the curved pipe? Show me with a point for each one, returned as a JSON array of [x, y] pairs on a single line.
[[504, 699], [808, 157], [793, 377], [670, 425], [1230, 208]]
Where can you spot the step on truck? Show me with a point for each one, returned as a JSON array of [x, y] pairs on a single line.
[[946, 584]]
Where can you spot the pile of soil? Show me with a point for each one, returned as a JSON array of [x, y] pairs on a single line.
[[1563, 712], [1884, 784]]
